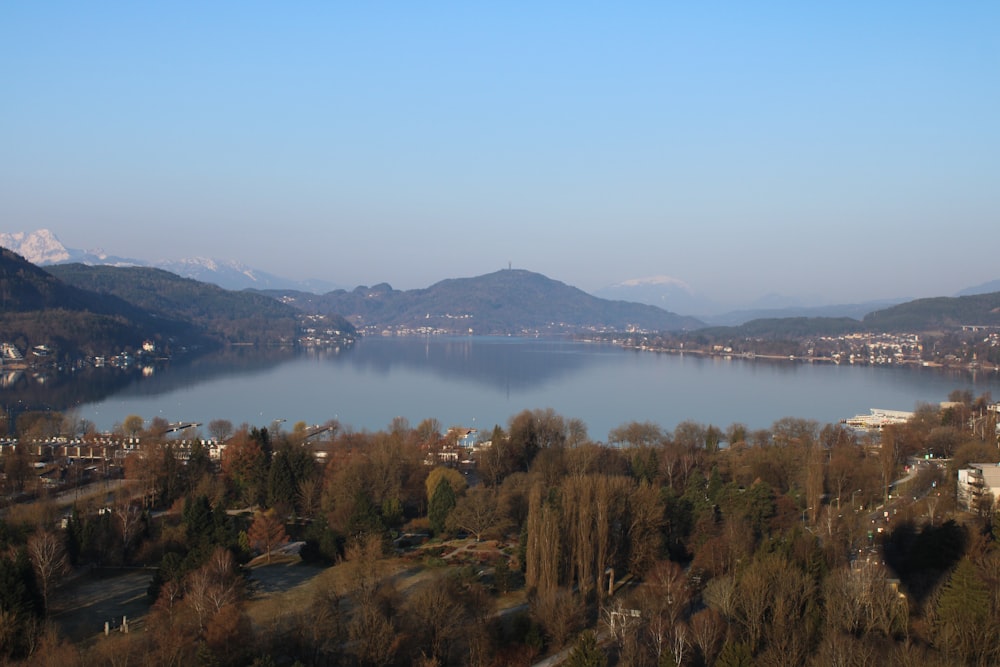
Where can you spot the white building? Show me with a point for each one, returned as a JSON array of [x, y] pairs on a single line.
[[978, 483]]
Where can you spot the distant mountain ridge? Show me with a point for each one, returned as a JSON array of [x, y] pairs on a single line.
[[43, 248], [855, 311], [511, 301], [677, 296], [985, 288]]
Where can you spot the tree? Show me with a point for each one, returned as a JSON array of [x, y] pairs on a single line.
[[213, 586], [543, 550], [707, 631], [267, 532], [888, 458], [220, 429], [437, 614], [963, 610], [132, 425], [636, 434], [440, 506], [560, 612], [20, 605], [17, 468], [861, 601], [128, 518], [453, 477], [47, 552], [281, 483], [428, 432], [244, 465], [476, 512], [371, 630], [586, 652]]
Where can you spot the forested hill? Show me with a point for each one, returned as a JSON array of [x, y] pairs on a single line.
[[39, 309], [785, 328], [937, 314], [219, 314], [504, 302]]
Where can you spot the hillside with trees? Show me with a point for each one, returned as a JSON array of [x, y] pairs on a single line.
[[40, 309], [216, 313], [935, 317], [937, 314], [504, 302]]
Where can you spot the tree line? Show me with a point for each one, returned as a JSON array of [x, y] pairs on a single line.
[[700, 545]]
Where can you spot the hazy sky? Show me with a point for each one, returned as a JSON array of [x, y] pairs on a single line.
[[847, 150]]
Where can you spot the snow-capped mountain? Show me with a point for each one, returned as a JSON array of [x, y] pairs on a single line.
[[42, 247], [666, 292], [233, 275]]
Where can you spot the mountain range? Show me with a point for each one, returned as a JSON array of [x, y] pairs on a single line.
[[43, 248], [95, 308]]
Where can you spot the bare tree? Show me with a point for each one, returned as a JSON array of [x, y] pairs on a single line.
[[544, 549], [476, 512], [437, 616], [47, 552], [128, 517], [371, 631], [707, 631], [214, 585], [560, 612], [220, 429], [756, 589]]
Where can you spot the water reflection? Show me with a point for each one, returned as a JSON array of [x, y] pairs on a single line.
[[480, 382], [507, 364]]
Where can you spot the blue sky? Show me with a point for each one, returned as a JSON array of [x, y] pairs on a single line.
[[844, 151]]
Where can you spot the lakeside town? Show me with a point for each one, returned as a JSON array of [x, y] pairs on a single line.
[[973, 348]]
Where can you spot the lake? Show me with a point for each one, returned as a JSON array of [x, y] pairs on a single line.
[[478, 382]]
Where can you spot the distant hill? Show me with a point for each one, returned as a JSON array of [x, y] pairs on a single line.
[[919, 316], [223, 315], [937, 314], [505, 302], [985, 288], [854, 311]]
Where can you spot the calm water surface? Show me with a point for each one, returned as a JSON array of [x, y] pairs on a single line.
[[479, 382]]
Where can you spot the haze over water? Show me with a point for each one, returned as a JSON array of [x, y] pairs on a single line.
[[479, 382]]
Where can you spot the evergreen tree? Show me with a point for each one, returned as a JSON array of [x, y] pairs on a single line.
[[442, 502], [586, 652], [281, 483], [735, 654], [962, 613]]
